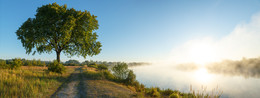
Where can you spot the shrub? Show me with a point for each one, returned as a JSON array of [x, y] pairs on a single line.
[[3, 64], [71, 64], [189, 95], [174, 95], [57, 67], [108, 75], [130, 78], [167, 92], [102, 67], [120, 71], [94, 65], [27, 63], [153, 92], [16, 63]]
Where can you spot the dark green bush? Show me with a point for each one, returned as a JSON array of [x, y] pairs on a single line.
[[16, 63], [57, 67], [102, 67], [130, 78]]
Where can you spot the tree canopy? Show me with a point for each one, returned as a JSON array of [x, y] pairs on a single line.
[[60, 29]]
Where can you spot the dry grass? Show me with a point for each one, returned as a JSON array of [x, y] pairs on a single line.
[[30, 82], [103, 88]]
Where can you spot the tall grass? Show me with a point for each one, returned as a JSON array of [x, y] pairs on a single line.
[[30, 82]]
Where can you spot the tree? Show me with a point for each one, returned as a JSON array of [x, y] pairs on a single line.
[[130, 78], [72, 61], [16, 63], [60, 29], [120, 71], [34, 62]]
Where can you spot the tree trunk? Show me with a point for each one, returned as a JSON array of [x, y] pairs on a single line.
[[58, 56]]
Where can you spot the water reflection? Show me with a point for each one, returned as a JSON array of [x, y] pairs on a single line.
[[180, 78]]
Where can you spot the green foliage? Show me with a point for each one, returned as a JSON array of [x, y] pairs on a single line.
[[153, 92], [30, 82], [34, 62], [94, 65], [120, 71], [102, 67], [167, 92], [104, 74], [189, 95], [16, 63], [57, 67], [108, 75], [60, 29], [72, 63], [174, 95], [3, 64], [131, 78], [27, 63], [93, 75]]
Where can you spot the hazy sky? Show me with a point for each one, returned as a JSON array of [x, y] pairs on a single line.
[[142, 30]]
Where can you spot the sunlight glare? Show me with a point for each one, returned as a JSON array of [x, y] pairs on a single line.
[[202, 53], [202, 75]]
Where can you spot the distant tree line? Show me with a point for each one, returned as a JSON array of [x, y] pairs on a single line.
[[18, 62], [37, 62]]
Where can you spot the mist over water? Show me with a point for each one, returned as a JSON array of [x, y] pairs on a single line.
[[180, 78], [236, 70]]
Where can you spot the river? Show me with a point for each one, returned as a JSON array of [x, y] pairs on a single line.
[[168, 76]]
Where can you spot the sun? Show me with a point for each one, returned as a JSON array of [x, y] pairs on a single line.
[[202, 53], [202, 75]]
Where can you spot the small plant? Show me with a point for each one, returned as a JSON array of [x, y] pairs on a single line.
[[57, 67], [102, 67], [216, 92], [167, 92], [174, 95]]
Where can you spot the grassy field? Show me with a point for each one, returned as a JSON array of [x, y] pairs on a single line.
[[96, 86], [30, 82]]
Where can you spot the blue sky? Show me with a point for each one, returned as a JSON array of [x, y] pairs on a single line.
[[133, 30]]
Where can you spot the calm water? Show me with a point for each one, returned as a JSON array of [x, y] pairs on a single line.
[[171, 77]]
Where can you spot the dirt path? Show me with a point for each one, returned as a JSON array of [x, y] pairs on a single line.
[[79, 86], [73, 88]]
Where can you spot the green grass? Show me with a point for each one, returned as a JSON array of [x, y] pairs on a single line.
[[30, 82], [99, 84]]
